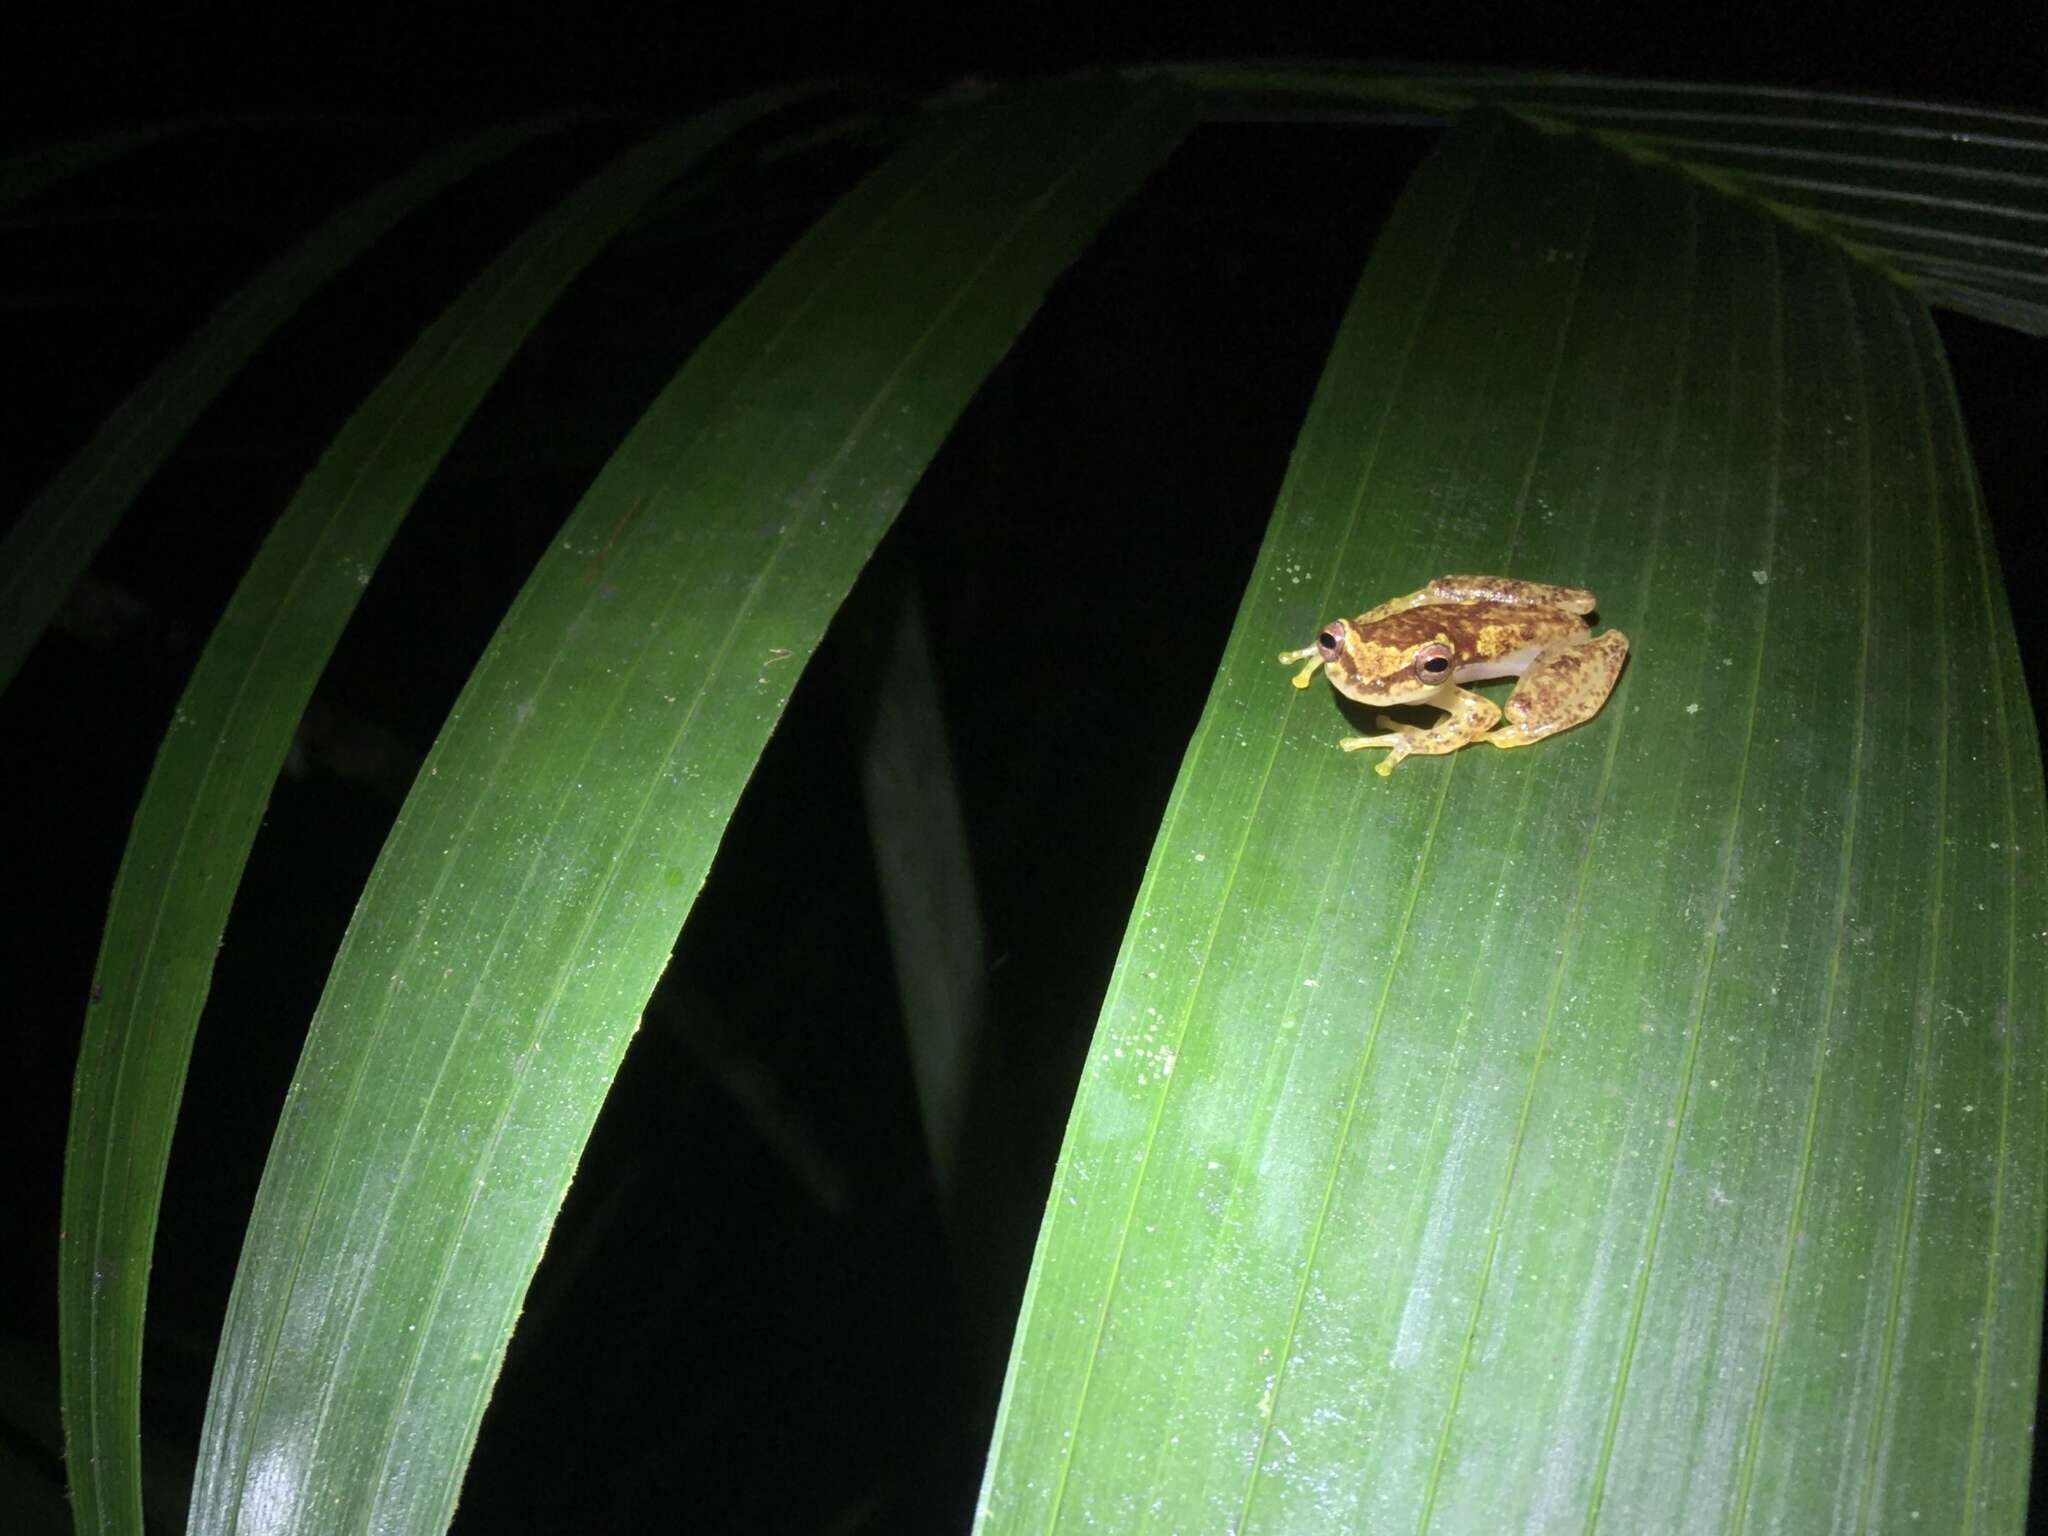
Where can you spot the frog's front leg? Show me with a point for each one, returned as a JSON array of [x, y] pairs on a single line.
[[1468, 716], [1564, 686]]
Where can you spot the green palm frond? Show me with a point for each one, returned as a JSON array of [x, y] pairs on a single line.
[[1642, 1131]]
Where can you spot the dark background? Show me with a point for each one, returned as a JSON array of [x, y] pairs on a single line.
[[84, 64], [753, 1313]]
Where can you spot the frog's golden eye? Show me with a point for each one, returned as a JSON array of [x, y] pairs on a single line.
[[1433, 661], [1330, 643]]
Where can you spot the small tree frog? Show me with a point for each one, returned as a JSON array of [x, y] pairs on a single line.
[[1464, 629]]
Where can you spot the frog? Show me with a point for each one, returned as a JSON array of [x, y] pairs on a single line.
[[1418, 649]]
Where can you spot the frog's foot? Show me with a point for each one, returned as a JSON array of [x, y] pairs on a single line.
[[1402, 740], [1467, 717], [1311, 654]]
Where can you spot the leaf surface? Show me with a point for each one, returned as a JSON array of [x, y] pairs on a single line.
[[212, 781], [1952, 200], [531, 891], [1642, 1130]]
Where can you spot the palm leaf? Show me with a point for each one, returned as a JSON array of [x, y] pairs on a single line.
[[31, 172], [1642, 1130], [1951, 200], [1639, 1132], [200, 812], [531, 891]]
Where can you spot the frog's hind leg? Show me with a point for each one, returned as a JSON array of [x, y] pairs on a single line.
[[1467, 717], [1565, 686], [1505, 590]]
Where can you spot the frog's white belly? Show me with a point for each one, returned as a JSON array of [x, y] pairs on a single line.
[[1514, 664]]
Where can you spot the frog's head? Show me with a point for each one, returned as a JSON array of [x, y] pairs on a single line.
[[1401, 660]]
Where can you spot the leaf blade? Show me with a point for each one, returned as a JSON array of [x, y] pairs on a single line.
[[1952, 200], [567, 816], [211, 784], [1452, 1155]]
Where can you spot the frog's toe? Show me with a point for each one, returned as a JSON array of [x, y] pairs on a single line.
[[1519, 734], [1399, 743]]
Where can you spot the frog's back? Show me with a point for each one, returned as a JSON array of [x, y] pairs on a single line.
[[1511, 590]]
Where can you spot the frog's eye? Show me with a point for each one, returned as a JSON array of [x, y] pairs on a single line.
[[1433, 661], [1330, 643]]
